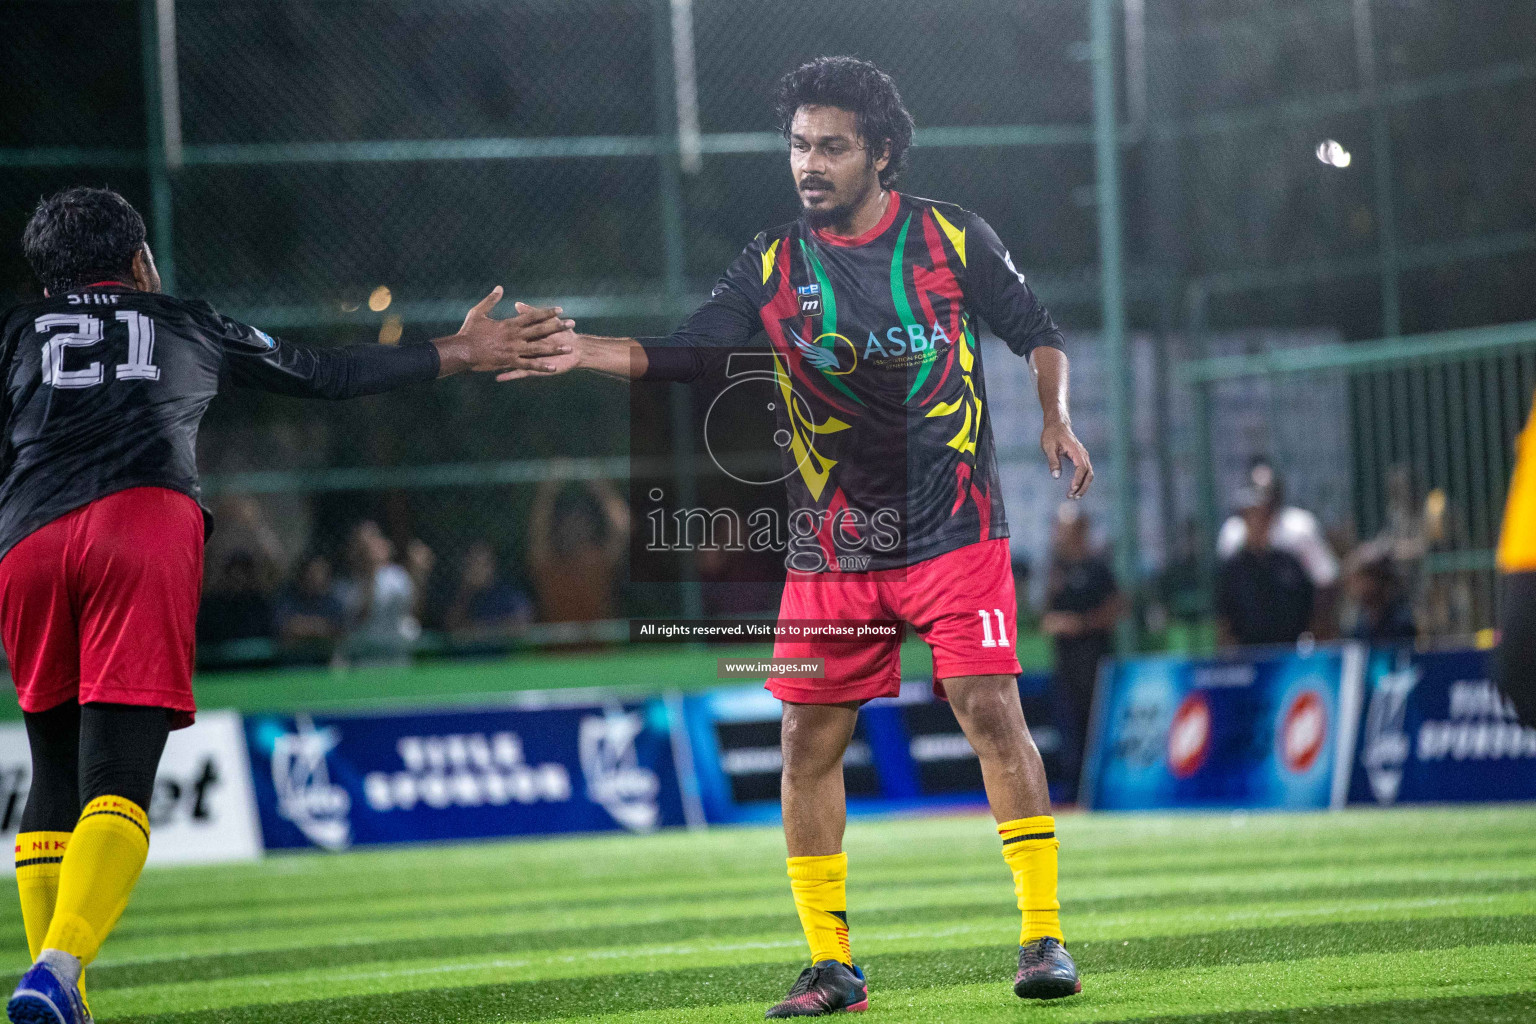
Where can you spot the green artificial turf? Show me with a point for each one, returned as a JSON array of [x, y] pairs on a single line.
[[1363, 917]]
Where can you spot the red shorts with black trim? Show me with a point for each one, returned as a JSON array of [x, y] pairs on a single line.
[[961, 603], [100, 605]]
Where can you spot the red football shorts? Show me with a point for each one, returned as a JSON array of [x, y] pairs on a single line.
[[961, 602], [100, 605]]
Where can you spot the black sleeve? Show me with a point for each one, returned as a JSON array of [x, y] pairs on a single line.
[[255, 359], [8, 341], [722, 325], [995, 289]]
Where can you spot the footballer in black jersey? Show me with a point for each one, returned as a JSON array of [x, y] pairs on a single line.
[[870, 304], [101, 539]]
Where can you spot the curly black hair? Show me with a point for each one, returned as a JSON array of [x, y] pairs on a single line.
[[82, 235], [857, 85]]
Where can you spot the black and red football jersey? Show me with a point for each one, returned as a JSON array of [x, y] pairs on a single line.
[[887, 437], [105, 388]]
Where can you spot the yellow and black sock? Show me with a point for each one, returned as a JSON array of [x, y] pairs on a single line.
[[39, 858], [821, 898], [98, 873], [1029, 848]]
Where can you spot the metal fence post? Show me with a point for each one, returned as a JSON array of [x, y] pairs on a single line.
[[1112, 298], [162, 117], [1207, 510], [675, 274], [1381, 160]]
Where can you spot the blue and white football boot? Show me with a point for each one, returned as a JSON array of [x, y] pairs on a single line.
[[42, 997]]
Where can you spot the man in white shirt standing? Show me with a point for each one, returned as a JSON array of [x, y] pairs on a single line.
[[1294, 531]]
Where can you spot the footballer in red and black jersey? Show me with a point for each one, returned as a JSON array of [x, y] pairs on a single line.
[[874, 338], [105, 387]]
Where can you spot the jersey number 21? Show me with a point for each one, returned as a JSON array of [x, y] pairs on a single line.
[[65, 331]]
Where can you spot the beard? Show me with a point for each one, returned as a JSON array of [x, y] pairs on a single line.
[[837, 214], [829, 216]]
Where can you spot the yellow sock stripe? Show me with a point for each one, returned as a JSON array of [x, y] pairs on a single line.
[[1041, 826], [1028, 836], [35, 849], [118, 807]]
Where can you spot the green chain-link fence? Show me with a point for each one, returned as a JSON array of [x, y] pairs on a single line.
[[297, 159]]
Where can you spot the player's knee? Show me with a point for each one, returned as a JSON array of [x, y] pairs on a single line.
[[990, 716], [809, 758], [984, 703], [810, 762]]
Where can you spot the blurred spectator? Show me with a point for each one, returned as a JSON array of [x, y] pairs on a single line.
[[380, 599], [1378, 597], [419, 563], [1409, 529], [311, 617], [1263, 594], [1082, 604], [241, 527], [1294, 531], [486, 606], [237, 606], [1442, 603], [575, 547]]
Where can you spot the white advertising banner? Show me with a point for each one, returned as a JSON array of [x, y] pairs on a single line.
[[204, 807]]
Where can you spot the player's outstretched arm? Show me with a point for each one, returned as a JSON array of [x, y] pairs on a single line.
[[616, 357], [529, 343], [724, 323], [526, 342], [1057, 440]]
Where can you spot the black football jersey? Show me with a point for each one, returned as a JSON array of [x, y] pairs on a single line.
[[884, 425], [105, 388]]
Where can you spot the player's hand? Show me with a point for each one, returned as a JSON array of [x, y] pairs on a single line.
[[526, 342], [560, 363], [1059, 442]]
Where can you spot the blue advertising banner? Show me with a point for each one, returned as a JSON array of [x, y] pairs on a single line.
[[1437, 729], [906, 752], [1259, 733], [335, 782]]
